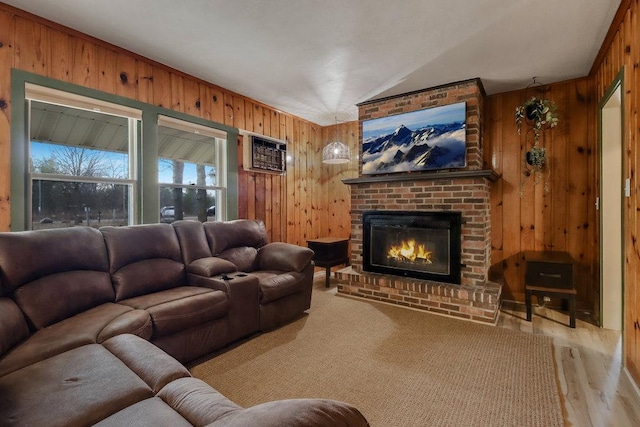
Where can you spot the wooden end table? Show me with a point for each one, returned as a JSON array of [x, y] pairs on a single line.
[[550, 274], [329, 252]]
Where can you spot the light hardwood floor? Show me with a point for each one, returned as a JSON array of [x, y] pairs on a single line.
[[595, 390]]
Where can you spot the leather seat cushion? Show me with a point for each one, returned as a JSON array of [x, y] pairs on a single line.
[[78, 387], [136, 322], [180, 308], [89, 327]]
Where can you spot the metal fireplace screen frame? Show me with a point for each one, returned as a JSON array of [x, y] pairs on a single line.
[[451, 221]]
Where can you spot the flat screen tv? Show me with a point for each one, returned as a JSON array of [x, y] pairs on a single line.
[[421, 140]]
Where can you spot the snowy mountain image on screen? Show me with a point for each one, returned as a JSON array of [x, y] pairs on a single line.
[[415, 147]]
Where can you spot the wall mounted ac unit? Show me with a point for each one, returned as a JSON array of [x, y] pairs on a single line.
[[264, 154]]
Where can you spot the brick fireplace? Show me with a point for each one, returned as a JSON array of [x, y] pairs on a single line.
[[465, 191]]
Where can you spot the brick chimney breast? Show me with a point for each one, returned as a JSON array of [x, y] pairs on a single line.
[[464, 190]]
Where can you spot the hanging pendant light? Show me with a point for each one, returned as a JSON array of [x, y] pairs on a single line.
[[336, 152]]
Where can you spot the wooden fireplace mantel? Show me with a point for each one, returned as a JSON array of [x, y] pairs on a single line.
[[490, 174]]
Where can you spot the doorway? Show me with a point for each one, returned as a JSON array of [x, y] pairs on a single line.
[[611, 219]]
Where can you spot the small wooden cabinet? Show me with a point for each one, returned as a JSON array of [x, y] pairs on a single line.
[[329, 252], [550, 274]]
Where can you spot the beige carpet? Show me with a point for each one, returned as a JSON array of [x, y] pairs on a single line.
[[399, 367]]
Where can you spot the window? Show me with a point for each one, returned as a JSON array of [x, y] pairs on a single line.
[[81, 160], [191, 175], [84, 157]]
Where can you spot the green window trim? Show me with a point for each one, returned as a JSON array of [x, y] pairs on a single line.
[[147, 191]]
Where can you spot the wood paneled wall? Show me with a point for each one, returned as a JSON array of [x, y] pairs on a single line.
[[564, 219], [621, 50], [307, 202], [310, 200], [338, 196]]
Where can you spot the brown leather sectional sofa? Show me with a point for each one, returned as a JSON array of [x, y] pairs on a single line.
[[92, 322]]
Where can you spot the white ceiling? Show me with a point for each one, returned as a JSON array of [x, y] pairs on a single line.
[[318, 58]]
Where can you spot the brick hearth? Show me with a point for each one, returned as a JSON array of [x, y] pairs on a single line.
[[466, 191]]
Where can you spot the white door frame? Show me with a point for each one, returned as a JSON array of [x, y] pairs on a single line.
[[611, 207]]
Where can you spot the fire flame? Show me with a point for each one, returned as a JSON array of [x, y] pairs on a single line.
[[410, 250]]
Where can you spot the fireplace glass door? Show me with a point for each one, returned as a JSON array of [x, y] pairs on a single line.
[[423, 245]]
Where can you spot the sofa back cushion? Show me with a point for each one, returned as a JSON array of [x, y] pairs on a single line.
[[55, 274], [13, 326], [143, 259], [193, 240], [237, 241], [284, 257], [223, 235], [243, 257]]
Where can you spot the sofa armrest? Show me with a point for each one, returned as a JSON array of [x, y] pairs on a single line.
[[244, 295], [211, 266], [294, 412], [200, 404], [196, 401], [215, 283], [284, 257], [155, 367]]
